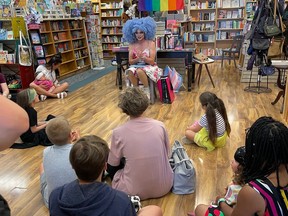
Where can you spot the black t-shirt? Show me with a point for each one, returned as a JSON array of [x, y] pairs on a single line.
[[28, 136]]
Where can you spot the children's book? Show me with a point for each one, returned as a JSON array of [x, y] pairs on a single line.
[[41, 61], [10, 35], [39, 52], [35, 37]]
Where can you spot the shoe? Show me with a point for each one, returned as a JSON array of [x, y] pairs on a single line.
[[185, 140], [61, 95], [147, 92], [136, 202], [43, 97]]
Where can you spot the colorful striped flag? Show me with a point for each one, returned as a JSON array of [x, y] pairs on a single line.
[[160, 5]]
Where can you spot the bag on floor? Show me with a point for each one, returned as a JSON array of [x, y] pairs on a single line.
[[175, 78], [184, 172], [165, 89]]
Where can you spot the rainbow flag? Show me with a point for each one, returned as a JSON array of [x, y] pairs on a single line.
[[160, 5]]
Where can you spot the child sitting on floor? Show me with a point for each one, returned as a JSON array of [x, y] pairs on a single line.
[[212, 129], [232, 190]]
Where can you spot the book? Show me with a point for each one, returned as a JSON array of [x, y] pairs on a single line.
[[35, 37], [9, 35], [6, 11], [62, 36], [41, 61], [170, 24], [39, 52]]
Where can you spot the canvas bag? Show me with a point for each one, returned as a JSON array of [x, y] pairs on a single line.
[[24, 52], [276, 47], [165, 89], [175, 78], [184, 172]]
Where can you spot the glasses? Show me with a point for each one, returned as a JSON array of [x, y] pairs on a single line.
[[139, 32]]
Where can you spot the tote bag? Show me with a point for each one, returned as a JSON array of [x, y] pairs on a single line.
[[184, 172], [24, 52]]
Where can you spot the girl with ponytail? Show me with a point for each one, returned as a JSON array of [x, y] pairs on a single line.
[[212, 129]]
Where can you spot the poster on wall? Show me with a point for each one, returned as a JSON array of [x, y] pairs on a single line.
[[160, 5]]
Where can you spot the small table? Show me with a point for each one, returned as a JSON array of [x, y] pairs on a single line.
[[280, 65], [169, 53], [199, 71]]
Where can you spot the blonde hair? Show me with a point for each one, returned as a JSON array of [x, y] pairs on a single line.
[[58, 131]]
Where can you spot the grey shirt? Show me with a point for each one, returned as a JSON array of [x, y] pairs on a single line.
[[57, 168]]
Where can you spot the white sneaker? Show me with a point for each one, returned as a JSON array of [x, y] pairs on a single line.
[[43, 97], [61, 95]]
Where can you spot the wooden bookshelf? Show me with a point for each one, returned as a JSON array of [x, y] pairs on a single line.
[[111, 12], [67, 36], [215, 23]]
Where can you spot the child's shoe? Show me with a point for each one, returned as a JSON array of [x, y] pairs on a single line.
[[43, 97], [61, 95]]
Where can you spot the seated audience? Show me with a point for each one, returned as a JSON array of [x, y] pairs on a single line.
[[232, 190], [212, 129], [36, 134], [265, 171], [139, 146], [88, 195], [56, 169], [48, 70]]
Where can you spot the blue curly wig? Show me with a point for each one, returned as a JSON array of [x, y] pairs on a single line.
[[146, 24]]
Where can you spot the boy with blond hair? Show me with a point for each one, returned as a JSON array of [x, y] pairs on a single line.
[[56, 169]]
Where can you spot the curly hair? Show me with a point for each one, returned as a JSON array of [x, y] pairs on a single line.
[[146, 24], [266, 148], [133, 101]]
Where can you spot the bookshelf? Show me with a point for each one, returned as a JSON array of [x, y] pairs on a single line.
[[111, 12], [215, 22], [67, 36], [9, 61]]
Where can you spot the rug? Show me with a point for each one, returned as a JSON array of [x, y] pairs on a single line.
[[79, 80]]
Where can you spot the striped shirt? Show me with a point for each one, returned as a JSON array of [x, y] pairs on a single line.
[[275, 198], [220, 123]]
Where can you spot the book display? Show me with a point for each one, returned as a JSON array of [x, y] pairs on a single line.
[[111, 25], [9, 62], [67, 36], [215, 23]]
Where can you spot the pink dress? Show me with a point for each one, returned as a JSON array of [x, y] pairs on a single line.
[[152, 71], [145, 145]]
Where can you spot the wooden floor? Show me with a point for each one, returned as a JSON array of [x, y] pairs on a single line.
[[93, 109]]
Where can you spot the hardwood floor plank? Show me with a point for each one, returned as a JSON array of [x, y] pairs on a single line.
[[93, 109]]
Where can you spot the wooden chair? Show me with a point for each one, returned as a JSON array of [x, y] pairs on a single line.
[[233, 50]]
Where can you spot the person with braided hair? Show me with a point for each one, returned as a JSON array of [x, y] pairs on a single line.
[[212, 129], [265, 172]]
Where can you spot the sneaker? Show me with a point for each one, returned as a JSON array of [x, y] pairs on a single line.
[[185, 140], [61, 95], [147, 92], [136, 202], [43, 97]]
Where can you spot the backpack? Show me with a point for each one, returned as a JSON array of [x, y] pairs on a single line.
[[165, 89]]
